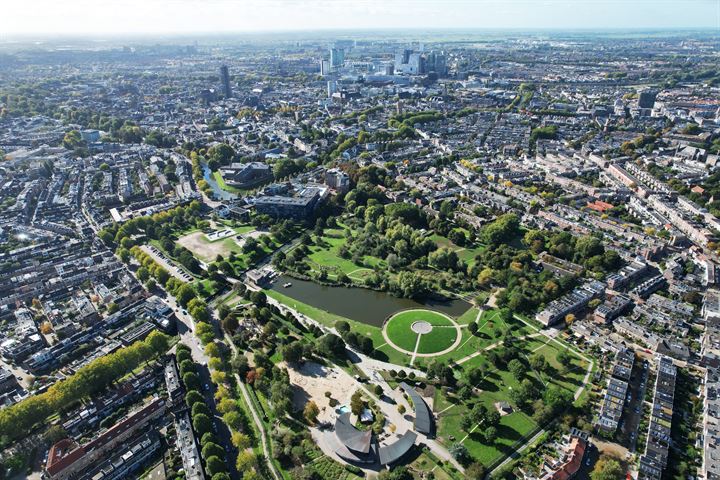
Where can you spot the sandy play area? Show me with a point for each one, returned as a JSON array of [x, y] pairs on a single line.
[[207, 251], [311, 382]]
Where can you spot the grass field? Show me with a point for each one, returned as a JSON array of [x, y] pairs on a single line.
[[206, 250], [217, 176], [498, 385], [466, 254], [438, 340], [399, 330], [326, 254]]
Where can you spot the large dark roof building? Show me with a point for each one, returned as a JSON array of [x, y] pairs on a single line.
[[356, 446], [423, 416], [390, 454]]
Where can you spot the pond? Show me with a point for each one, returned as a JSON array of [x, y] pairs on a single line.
[[361, 304], [218, 192]]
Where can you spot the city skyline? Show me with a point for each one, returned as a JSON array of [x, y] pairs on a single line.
[[81, 17]]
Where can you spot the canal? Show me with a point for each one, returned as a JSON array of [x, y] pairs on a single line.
[[218, 192], [360, 304]]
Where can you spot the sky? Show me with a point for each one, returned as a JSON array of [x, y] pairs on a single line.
[[105, 17]]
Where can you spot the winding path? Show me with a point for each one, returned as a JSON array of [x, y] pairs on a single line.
[[256, 418]]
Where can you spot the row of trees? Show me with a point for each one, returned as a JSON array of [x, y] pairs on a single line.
[[202, 418], [17, 420]]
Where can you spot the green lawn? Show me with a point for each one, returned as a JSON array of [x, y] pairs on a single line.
[[217, 176], [570, 378], [466, 254], [399, 330], [495, 387], [438, 340], [490, 330], [498, 385], [326, 254]]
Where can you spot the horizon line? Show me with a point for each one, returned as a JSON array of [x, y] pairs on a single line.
[[216, 33]]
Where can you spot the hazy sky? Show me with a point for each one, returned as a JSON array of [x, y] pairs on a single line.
[[167, 16]]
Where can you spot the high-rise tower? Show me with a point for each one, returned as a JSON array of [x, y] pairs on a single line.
[[225, 78]]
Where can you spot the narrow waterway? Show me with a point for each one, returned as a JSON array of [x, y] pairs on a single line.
[[361, 304], [218, 192]]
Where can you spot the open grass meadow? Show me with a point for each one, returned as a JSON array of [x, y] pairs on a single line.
[[325, 254]]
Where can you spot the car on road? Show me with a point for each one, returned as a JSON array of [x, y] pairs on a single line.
[[206, 387]]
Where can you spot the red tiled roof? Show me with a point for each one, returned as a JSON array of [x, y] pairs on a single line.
[[61, 453], [570, 468], [600, 206], [60, 458]]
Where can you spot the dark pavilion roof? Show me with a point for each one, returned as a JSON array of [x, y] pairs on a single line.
[[351, 437], [423, 416], [392, 453]]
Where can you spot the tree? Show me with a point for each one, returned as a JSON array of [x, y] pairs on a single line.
[[401, 409], [607, 468], [490, 434], [475, 471], [54, 434], [212, 449], [233, 420], [331, 346], [214, 465], [356, 403], [246, 461], [502, 230], [241, 440], [222, 153], [184, 294], [191, 380], [212, 350], [564, 358], [240, 364], [159, 342], [460, 453], [473, 328], [311, 412], [538, 362], [342, 327], [208, 437], [202, 424], [199, 408], [226, 405], [292, 352], [192, 397], [467, 423], [397, 473], [73, 140], [230, 323], [517, 368]]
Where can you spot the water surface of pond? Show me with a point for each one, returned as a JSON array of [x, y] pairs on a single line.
[[363, 305]]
